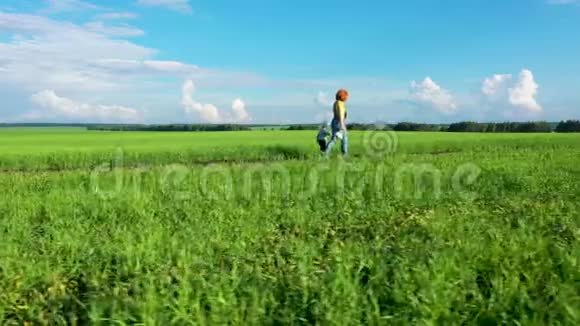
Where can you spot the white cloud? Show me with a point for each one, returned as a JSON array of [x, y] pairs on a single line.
[[176, 5], [88, 62], [82, 59], [65, 108], [47, 54], [205, 112], [209, 113], [117, 16], [523, 94], [147, 66], [323, 99], [493, 85], [170, 66], [123, 30], [428, 92], [55, 6], [239, 113]]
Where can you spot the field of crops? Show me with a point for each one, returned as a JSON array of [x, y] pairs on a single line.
[[256, 228]]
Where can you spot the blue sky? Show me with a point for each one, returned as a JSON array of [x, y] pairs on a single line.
[[161, 61]]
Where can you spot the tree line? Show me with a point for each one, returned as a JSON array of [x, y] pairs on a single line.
[[537, 126], [402, 126], [527, 127], [568, 126], [464, 126], [171, 127]]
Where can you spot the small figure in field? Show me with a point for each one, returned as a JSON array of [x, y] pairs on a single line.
[[322, 136], [338, 124]]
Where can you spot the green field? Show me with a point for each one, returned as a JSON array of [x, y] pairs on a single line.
[[256, 228]]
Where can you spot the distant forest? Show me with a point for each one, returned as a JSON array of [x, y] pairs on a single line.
[[465, 126]]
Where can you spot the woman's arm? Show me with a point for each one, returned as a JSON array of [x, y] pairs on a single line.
[[341, 115]]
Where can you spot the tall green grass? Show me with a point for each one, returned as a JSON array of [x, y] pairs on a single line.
[[460, 229]]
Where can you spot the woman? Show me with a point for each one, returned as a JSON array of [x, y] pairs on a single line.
[[338, 123]]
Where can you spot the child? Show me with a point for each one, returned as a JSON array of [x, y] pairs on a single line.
[[321, 137]]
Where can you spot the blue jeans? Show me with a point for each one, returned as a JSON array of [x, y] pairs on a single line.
[[335, 125]]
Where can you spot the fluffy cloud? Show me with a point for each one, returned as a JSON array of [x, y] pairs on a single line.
[[64, 108], [523, 94], [170, 66], [429, 93], [177, 5], [55, 6], [123, 30], [117, 16], [209, 113], [146, 66], [493, 85], [239, 113], [520, 93], [48, 54], [92, 60], [205, 112]]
